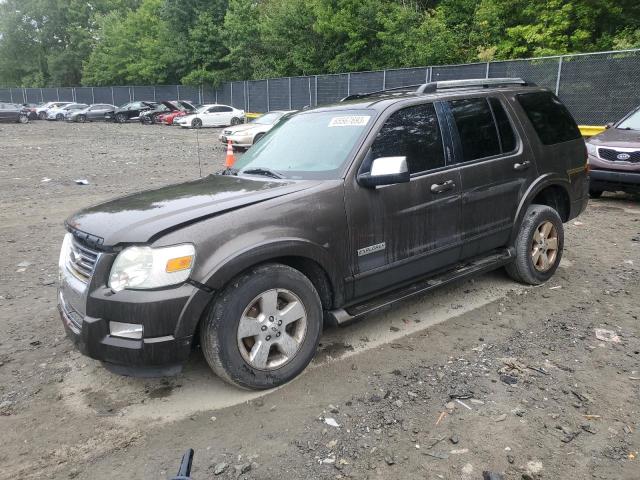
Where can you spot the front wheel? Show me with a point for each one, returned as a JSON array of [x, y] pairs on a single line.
[[263, 328], [538, 246], [82, 118], [23, 119], [42, 115], [196, 123], [121, 118], [59, 117]]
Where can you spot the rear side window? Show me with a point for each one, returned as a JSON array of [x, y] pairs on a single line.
[[412, 132], [507, 137], [549, 117], [476, 128]]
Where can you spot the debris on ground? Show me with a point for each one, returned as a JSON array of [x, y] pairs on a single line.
[[607, 335]]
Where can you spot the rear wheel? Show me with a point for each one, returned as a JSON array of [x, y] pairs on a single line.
[[236, 121], [264, 327], [196, 123], [82, 118], [42, 115], [23, 119], [59, 116], [538, 246]]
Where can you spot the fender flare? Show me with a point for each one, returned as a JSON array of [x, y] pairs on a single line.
[[222, 273], [542, 182]]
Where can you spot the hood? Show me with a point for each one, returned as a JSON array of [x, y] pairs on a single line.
[[241, 128], [143, 216], [170, 106], [614, 137]]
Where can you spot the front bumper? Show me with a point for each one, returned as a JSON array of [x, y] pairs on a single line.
[[614, 180], [168, 316], [243, 141]]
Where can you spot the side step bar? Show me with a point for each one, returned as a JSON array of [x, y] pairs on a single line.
[[470, 268]]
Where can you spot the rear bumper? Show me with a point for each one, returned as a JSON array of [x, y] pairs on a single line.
[[614, 180]]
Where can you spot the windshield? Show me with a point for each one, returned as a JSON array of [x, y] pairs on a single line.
[[267, 118], [631, 123], [313, 145]]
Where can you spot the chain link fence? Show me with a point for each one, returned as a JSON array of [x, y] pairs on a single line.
[[597, 87]]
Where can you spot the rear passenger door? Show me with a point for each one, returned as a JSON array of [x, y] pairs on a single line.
[[495, 167]]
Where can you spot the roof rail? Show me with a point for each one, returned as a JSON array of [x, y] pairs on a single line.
[[433, 87], [479, 82]]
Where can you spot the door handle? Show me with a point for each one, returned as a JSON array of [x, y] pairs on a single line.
[[521, 166], [443, 187]]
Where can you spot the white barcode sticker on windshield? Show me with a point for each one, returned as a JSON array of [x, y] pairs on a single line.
[[349, 121]]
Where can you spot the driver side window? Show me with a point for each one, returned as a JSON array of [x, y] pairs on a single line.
[[412, 132]]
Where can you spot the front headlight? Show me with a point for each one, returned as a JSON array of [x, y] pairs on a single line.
[[146, 267], [592, 149]]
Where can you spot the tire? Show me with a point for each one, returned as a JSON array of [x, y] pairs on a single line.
[[42, 115], [196, 123], [228, 353], [59, 117], [121, 118], [236, 121], [531, 243], [23, 119], [81, 118], [595, 193], [257, 138], [146, 120]]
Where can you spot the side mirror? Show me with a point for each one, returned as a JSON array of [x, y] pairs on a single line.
[[609, 125], [385, 171]]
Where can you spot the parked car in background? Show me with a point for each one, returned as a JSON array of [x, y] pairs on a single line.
[[31, 110], [92, 113], [614, 157], [129, 111], [150, 117], [186, 108], [212, 116], [338, 212], [61, 112], [243, 136], [42, 110], [11, 113]]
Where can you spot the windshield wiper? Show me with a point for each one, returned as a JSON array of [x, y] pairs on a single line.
[[267, 172]]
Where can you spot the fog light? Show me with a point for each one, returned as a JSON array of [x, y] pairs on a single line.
[[126, 330]]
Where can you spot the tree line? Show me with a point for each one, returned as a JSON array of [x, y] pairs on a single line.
[[122, 42]]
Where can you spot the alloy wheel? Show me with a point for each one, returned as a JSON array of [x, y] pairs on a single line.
[[544, 247], [272, 329]]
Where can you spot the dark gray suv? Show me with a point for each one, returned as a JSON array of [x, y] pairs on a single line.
[[338, 211]]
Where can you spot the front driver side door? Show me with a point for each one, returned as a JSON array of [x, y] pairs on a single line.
[[404, 231]]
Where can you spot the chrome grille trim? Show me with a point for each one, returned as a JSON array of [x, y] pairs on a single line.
[[81, 261]]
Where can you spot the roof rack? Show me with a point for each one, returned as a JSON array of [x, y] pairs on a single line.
[[433, 87]]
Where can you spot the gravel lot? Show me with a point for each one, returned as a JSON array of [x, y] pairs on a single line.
[[484, 375]]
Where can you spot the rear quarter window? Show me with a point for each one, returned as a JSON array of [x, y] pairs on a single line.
[[550, 118]]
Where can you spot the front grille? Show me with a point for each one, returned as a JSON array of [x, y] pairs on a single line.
[[614, 155], [227, 132], [81, 261], [70, 315]]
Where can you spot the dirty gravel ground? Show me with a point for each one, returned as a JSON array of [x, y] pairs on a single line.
[[484, 375]]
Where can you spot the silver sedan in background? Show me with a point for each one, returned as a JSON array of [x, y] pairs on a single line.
[[245, 135], [93, 113]]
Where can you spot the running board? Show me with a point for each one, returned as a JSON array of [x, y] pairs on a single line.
[[474, 266]]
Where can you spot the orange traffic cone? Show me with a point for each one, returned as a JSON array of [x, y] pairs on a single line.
[[230, 158]]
